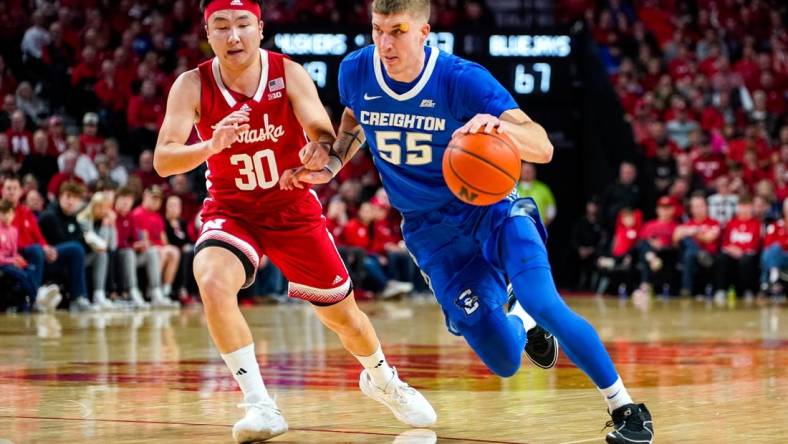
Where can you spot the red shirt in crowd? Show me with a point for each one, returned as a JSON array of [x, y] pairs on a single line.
[[142, 112], [150, 222], [21, 142], [705, 225], [91, 145], [27, 227], [660, 231], [8, 244], [125, 228], [625, 237], [355, 234], [777, 233], [57, 180], [112, 94], [709, 166], [745, 234]]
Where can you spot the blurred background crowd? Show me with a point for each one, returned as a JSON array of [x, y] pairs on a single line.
[[699, 210]]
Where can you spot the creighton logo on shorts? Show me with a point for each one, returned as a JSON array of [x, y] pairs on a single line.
[[468, 301]]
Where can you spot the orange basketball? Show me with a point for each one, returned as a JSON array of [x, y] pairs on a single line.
[[480, 168]]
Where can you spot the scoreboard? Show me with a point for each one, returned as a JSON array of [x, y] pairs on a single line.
[[539, 69]]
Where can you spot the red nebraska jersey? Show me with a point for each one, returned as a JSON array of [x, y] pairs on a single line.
[[245, 176], [745, 234]]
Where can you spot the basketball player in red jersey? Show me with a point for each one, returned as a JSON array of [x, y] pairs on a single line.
[[252, 108]]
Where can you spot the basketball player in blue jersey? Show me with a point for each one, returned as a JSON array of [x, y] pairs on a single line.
[[408, 100]]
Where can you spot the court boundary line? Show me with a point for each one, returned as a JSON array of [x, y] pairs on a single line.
[[142, 421]]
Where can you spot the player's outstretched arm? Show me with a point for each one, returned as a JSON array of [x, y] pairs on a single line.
[[348, 142], [172, 155], [312, 116]]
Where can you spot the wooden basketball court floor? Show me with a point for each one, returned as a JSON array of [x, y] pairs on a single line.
[[709, 375]]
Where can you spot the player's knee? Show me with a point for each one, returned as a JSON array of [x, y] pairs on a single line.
[[506, 368]]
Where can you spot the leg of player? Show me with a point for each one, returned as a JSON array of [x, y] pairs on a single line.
[[220, 275], [533, 284], [541, 346], [378, 380]]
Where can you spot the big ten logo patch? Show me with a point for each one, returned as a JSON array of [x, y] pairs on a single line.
[[468, 301]]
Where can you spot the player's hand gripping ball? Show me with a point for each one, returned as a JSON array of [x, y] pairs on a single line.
[[481, 168]]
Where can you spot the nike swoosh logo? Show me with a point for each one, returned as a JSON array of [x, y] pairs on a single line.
[[368, 97], [614, 395]]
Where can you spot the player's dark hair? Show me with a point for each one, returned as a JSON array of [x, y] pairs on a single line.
[[12, 176], [204, 4]]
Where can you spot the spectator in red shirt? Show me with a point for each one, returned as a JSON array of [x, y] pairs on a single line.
[[7, 80], [655, 246], [111, 94], [359, 233], [775, 253], [67, 174], [622, 250], [19, 137], [149, 224], [708, 165], [145, 114], [57, 136], [134, 252], [90, 142], [697, 240], [737, 263]]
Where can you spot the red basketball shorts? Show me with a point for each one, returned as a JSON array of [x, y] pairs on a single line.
[[294, 238]]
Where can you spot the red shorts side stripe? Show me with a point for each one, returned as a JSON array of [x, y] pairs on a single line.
[[320, 295]]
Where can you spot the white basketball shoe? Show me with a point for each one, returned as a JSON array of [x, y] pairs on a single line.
[[263, 421], [407, 404]]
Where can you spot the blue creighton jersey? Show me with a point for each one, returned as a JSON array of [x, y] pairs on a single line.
[[409, 125]]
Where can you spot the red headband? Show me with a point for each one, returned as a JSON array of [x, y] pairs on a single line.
[[238, 5]]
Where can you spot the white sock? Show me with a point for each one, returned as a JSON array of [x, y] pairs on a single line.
[[616, 395], [519, 311], [166, 289], [246, 371], [378, 367]]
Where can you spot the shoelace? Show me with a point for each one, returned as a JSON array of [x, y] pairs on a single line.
[[624, 420], [400, 392]]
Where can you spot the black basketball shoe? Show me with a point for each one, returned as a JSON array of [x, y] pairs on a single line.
[[632, 424], [541, 347]]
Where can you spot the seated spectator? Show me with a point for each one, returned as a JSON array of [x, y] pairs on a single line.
[[707, 164], [181, 187], [774, 258], [134, 252], [737, 263], [177, 235], [146, 174], [117, 171], [60, 228], [144, 114], [388, 245], [13, 264], [39, 163], [697, 240], [150, 226], [722, 204], [588, 236], [623, 252], [104, 179], [68, 164], [30, 104], [656, 255], [357, 233], [97, 222], [624, 193], [528, 186], [90, 143], [35, 202], [57, 136], [19, 137], [85, 168]]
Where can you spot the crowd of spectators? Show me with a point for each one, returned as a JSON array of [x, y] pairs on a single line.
[[83, 84], [703, 86]]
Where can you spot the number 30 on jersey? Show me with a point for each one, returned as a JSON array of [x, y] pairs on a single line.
[[253, 171]]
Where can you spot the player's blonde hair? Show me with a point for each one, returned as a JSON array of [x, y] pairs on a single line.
[[416, 8]]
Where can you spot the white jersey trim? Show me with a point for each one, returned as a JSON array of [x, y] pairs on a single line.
[[217, 76], [434, 52]]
